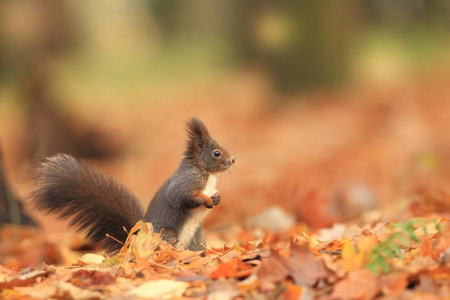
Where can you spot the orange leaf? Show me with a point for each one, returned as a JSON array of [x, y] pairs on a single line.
[[233, 268], [394, 284], [426, 247], [293, 292], [13, 265], [17, 282]]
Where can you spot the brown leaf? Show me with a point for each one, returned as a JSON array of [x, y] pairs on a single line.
[[304, 267], [301, 265], [359, 284], [273, 269], [83, 278]]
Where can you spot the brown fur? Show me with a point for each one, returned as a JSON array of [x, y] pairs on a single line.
[[98, 205]]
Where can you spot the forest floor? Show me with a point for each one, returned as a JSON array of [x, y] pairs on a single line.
[[337, 194]]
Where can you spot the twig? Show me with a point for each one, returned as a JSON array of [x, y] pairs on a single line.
[[111, 237]]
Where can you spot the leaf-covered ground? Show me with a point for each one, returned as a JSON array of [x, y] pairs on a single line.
[[342, 195], [398, 260]]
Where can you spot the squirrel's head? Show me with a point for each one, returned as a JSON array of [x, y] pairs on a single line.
[[205, 150]]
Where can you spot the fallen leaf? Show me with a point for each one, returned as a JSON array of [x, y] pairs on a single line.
[[17, 282], [65, 290], [10, 295], [301, 265], [38, 273], [223, 289], [393, 285], [293, 292], [311, 241], [359, 284], [333, 265], [144, 243], [232, 268], [329, 234], [83, 278], [273, 269], [91, 259], [304, 267], [426, 247], [350, 259], [112, 261], [36, 292], [439, 274], [161, 289], [354, 258], [13, 265]]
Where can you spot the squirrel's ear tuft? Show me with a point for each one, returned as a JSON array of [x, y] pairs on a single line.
[[198, 137]]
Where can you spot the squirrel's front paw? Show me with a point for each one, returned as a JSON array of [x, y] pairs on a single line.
[[215, 198], [209, 203]]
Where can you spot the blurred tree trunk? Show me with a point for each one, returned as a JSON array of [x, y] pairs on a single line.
[[34, 35], [11, 210], [300, 44]]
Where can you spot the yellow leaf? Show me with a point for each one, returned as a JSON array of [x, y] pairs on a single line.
[[353, 258], [112, 261], [311, 241], [145, 242], [350, 258]]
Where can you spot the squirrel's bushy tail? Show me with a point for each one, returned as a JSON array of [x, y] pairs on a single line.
[[94, 203]]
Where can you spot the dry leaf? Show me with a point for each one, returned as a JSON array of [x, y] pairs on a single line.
[[144, 243], [393, 285], [83, 278], [359, 284], [293, 292], [92, 259], [301, 265], [17, 282], [304, 267], [311, 241], [160, 289], [273, 269], [354, 258], [232, 268], [64, 290]]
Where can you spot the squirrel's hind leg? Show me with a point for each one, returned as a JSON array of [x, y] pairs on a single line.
[[197, 243]]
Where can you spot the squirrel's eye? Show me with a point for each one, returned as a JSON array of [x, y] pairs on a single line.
[[217, 153]]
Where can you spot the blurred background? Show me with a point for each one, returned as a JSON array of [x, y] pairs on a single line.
[[331, 107]]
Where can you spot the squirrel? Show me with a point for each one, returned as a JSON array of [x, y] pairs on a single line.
[[98, 205]]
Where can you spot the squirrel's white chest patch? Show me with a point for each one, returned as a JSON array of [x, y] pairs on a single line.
[[197, 215], [210, 188]]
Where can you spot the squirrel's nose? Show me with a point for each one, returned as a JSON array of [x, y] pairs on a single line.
[[233, 159]]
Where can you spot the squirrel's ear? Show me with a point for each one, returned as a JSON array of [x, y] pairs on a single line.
[[198, 137]]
